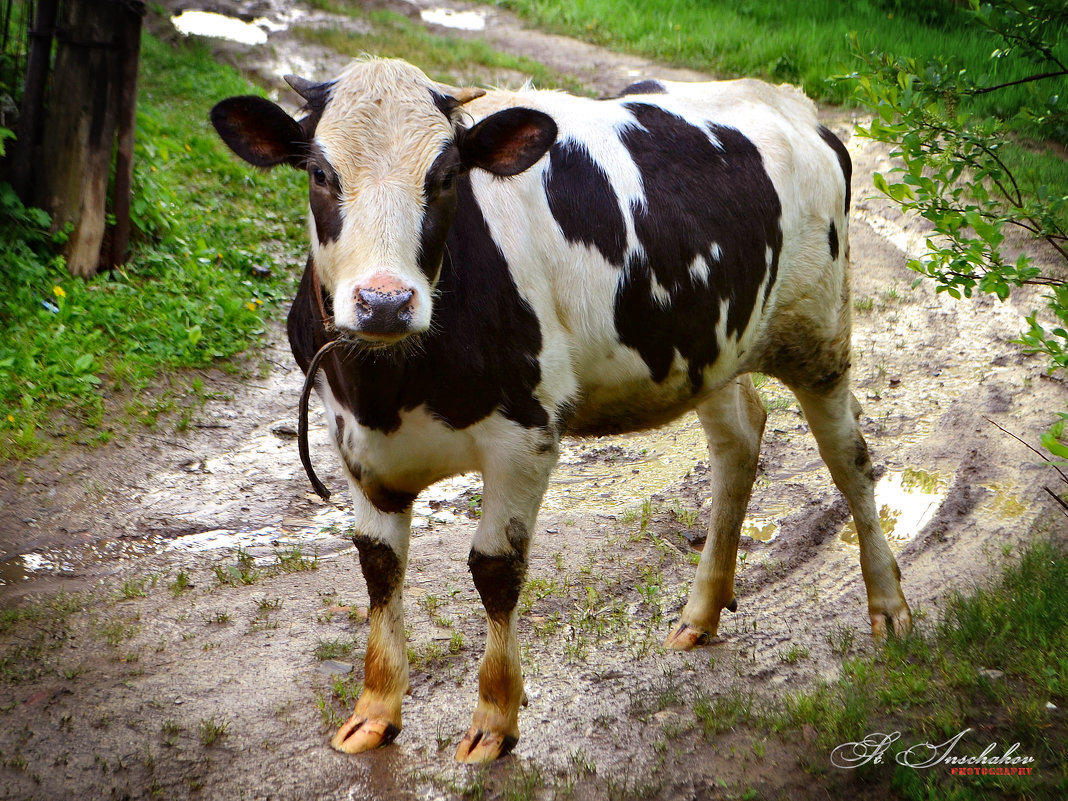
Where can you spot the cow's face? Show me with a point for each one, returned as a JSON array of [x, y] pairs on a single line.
[[383, 148]]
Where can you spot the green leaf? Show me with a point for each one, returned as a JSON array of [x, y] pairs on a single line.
[[1054, 446]]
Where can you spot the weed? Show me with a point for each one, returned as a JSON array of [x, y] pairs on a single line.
[[720, 713], [334, 649], [426, 655], [169, 730], [212, 730], [523, 784], [244, 572], [841, 638], [181, 583], [268, 605], [331, 717], [685, 517], [793, 654], [293, 560], [346, 689], [115, 632], [133, 588]]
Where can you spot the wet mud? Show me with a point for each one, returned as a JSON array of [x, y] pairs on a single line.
[[137, 666]]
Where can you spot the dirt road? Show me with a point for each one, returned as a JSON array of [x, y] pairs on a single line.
[[176, 666]]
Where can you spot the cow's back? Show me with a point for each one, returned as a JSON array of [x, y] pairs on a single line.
[[662, 237]]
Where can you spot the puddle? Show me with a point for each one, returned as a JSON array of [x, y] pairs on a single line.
[[1004, 503], [106, 556], [760, 528], [907, 500], [460, 20], [609, 475], [14, 570], [218, 26]]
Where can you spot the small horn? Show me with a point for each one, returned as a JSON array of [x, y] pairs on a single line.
[[463, 95], [314, 93]]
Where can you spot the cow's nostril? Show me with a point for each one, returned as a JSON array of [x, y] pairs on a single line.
[[384, 312]]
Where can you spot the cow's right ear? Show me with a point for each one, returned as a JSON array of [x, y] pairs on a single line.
[[259, 131]]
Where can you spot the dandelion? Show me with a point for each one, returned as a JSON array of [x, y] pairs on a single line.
[[250, 306], [11, 418], [58, 292]]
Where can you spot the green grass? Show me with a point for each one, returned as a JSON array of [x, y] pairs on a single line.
[[293, 560], [84, 361], [340, 648], [75, 351], [931, 686], [803, 43], [808, 44], [450, 59]]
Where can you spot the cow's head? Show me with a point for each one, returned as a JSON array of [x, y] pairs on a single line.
[[383, 146]]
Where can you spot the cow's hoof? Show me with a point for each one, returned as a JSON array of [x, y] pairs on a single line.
[[360, 734], [484, 746], [685, 638], [897, 621]]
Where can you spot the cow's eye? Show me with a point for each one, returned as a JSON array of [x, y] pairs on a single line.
[[448, 180], [319, 176]]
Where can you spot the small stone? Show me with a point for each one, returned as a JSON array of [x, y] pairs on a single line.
[[1052, 707], [991, 674], [283, 430], [332, 667]]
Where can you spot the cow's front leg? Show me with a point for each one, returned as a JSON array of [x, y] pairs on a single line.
[[382, 540], [512, 492]]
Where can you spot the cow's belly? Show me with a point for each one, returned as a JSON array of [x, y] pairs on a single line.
[[614, 402], [616, 392]]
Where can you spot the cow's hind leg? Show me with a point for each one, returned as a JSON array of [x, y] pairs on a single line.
[[833, 417], [514, 480], [733, 420], [382, 541]]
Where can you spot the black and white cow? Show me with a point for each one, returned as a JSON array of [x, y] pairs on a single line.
[[509, 267]]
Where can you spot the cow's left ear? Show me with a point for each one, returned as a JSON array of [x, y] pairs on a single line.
[[259, 131], [508, 142]]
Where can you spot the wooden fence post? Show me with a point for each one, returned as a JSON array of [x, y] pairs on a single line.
[[29, 125], [133, 11]]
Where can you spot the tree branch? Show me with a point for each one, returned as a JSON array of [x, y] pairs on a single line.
[[1029, 79]]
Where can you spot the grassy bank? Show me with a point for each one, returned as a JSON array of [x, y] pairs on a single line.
[[84, 360], [77, 354], [450, 59], [803, 43]]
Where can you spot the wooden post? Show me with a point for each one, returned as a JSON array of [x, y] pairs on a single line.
[[79, 130], [120, 240], [29, 125]]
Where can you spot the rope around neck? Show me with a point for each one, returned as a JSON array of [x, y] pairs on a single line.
[[302, 419]]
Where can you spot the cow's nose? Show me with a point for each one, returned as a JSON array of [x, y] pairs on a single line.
[[383, 311]]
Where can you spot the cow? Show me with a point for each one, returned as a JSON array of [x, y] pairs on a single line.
[[497, 269]]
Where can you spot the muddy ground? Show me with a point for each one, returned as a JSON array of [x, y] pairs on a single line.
[[173, 665]]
